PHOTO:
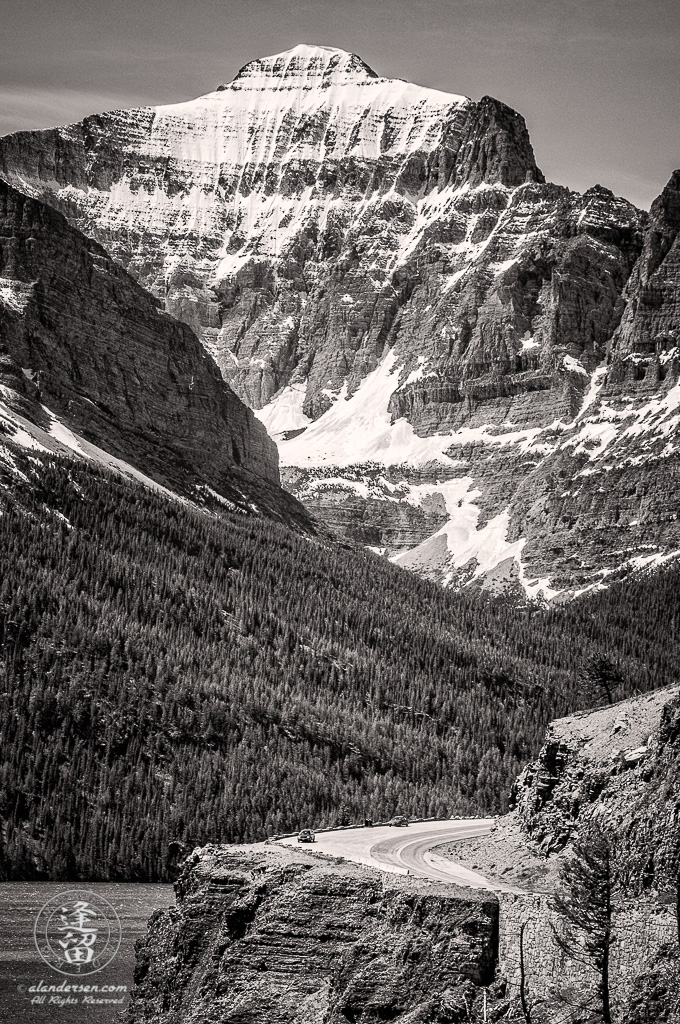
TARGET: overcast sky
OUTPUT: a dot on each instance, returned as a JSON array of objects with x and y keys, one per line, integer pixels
[{"x": 596, "y": 80}]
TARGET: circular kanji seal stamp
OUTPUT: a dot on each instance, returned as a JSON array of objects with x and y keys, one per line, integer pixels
[{"x": 77, "y": 932}]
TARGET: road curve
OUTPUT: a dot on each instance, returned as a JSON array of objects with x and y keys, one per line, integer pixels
[{"x": 409, "y": 850}]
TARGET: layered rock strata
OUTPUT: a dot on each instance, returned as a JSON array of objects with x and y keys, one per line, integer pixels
[
  {"x": 621, "y": 766},
  {"x": 264, "y": 934},
  {"x": 269, "y": 933},
  {"x": 617, "y": 766}
]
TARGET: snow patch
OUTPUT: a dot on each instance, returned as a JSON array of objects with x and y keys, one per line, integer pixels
[
  {"x": 574, "y": 365},
  {"x": 528, "y": 342},
  {"x": 359, "y": 430},
  {"x": 284, "y": 411},
  {"x": 596, "y": 382},
  {"x": 467, "y": 544},
  {"x": 61, "y": 440},
  {"x": 14, "y": 294},
  {"x": 205, "y": 489},
  {"x": 416, "y": 374}
]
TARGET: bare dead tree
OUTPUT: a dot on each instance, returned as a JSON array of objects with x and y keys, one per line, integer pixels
[
  {"x": 527, "y": 1007},
  {"x": 677, "y": 904},
  {"x": 523, "y": 977}
]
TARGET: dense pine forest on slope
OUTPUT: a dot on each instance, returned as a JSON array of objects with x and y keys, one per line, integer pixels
[{"x": 170, "y": 678}]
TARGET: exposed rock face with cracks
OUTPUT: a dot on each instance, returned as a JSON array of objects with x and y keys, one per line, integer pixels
[
  {"x": 621, "y": 766},
  {"x": 272, "y": 935},
  {"x": 618, "y": 767}
]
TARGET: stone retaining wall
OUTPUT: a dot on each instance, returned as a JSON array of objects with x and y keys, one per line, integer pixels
[{"x": 640, "y": 931}]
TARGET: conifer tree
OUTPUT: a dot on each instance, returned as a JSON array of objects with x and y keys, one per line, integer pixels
[
  {"x": 601, "y": 679},
  {"x": 170, "y": 678},
  {"x": 585, "y": 907}
]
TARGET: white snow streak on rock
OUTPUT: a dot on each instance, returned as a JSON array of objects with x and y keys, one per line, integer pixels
[
  {"x": 61, "y": 440},
  {"x": 14, "y": 294}
]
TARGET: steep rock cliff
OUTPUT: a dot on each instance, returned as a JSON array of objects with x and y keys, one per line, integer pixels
[
  {"x": 86, "y": 351},
  {"x": 264, "y": 934},
  {"x": 649, "y": 333},
  {"x": 620, "y": 765},
  {"x": 255, "y": 211}
]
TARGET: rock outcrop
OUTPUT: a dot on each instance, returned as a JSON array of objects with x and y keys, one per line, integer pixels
[
  {"x": 262, "y": 934},
  {"x": 262, "y": 212},
  {"x": 420, "y": 319},
  {"x": 619, "y": 765},
  {"x": 646, "y": 346},
  {"x": 85, "y": 351}
]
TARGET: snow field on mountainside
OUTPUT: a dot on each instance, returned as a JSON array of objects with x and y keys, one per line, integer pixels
[{"x": 357, "y": 430}]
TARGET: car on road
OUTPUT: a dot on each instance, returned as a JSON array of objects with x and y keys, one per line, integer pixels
[
  {"x": 398, "y": 819},
  {"x": 306, "y": 836}
]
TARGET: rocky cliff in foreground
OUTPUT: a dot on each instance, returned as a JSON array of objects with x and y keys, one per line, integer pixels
[
  {"x": 617, "y": 767},
  {"x": 621, "y": 765},
  {"x": 89, "y": 365},
  {"x": 267, "y": 935},
  {"x": 468, "y": 368}
]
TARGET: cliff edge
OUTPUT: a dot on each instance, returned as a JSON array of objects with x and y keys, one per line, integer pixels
[{"x": 265, "y": 934}]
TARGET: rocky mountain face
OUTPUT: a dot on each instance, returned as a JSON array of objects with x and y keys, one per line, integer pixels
[
  {"x": 467, "y": 368},
  {"x": 263, "y": 934},
  {"x": 618, "y": 766},
  {"x": 649, "y": 333},
  {"x": 621, "y": 766},
  {"x": 90, "y": 365}
]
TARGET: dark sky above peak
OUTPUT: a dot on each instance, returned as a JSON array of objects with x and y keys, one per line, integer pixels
[{"x": 597, "y": 80}]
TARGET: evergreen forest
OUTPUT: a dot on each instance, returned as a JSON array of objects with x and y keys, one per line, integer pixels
[{"x": 169, "y": 677}]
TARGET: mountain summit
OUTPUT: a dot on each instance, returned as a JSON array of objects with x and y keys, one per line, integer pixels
[
  {"x": 304, "y": 67},
  {"x": 431, "y": 332}
]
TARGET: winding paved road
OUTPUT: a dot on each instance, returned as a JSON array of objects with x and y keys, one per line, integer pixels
[{"x": 409, "y": 850}]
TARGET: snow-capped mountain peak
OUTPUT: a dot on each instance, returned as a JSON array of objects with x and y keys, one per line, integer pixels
[
  {"x": 303, "y": 66},
  {"x": 382, "y": 271}
]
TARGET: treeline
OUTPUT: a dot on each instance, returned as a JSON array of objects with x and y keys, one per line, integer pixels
[{"x": 168, "y": 678}]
